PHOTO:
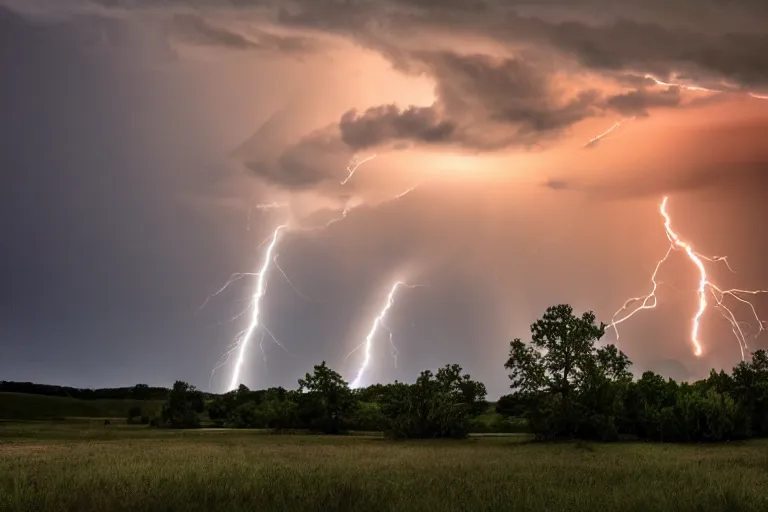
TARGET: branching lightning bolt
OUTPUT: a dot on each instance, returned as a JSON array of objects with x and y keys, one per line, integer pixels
[
  {"x": 287, "y": 279},
  {"x": 378, "y": 322},
  {"x": 705, "y": 288},
  {"x": 234, "y": 277},
  {"x": 348, "y": 209},
  {"x": 353, "y": 166},
  {"x": 698, "y": 88},
  {"x": 245, "y": 337}
]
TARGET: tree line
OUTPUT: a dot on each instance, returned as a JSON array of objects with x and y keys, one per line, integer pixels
[
  {"x": 137, "y": 392},
  {"x": 563, "y": 386},
  {"x": 438, "y": 404}
]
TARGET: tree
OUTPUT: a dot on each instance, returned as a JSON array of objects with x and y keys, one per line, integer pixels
[
  {"x": 183, "y": 405},
  {"x": 602, "y": 394},
  {"x": 562, "y": 381},
  {"x": 511, "y": 405},
  {"x": 326, "y": 400},
  {"x": 279, "y": 413},
  {"x": 140, "y": 392},
  {"x": 750, "y": 389},
  {"x": 647, "y": 402},
  {"x": 439, "y": 404},
  {"x": 470, "y": 393}
]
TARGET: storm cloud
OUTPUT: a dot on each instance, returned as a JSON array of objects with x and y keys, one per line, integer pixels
[{"x": 150, "y": 148}]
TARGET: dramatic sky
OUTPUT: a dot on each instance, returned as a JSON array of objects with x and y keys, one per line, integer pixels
[{"x": 140, "y": 141}]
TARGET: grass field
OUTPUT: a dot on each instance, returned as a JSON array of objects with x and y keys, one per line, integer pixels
[
  {"x": 24, "y": 406},
  {"x": 88, "y": 467}
]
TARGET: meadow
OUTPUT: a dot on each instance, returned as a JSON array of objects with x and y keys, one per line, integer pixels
[{"x": 86, "y": 466}]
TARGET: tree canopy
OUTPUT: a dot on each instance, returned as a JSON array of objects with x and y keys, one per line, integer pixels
[{"x": 565, "y": 384}]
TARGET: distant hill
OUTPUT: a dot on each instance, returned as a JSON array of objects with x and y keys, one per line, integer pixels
[
  {"x": 137, "y": 392},
  {"x": 24, "y": 406}
]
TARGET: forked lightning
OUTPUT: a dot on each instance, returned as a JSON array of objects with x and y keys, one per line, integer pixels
[
  {"x": 704, "y": 289},
  {"x": 245, "y": 337}
]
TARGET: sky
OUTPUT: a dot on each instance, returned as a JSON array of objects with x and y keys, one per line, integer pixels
[{"x": 150, "y": 148}]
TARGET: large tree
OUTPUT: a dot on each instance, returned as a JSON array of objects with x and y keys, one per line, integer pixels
[
  {"x": 561, "y": 369},
  {"x": 325, "y": 399}
]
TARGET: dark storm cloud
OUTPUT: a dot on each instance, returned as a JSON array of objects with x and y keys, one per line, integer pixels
[
  {"x": 388, "y": 122},
  {"x": 482, "y": 104},
  {"x": 637, "y": 102},
  {"x": 730, "y": 46},
  {"x": 317, "y": 158},
  {"x": 703, "y": 39},
  {"x": 629, "y": 45},
  {"x": 486, "y": 103},
  {"x": 196, "y": 29}
]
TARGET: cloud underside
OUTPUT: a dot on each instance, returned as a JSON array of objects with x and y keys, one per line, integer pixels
[{"x": 549, "y": 65}]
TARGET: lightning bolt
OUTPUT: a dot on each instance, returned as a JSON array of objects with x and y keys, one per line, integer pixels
[
  {"x": 597, "y": 138},
  {"x": 255, "y": 323},
  {"x": 378, "y": 322},
  {"x": 682, "y": 86},
  {"x": 406, "y": 191},
  {"x": 234, "y": 277},
  {"x": 705, "y": 288},
  {"x": 353, "y": 166},
  {"x": 287, "y": 279},
  {"x": 348, "y": 209},
  {"x": 244, "y": 338},
  {"x": 698, "y": 88}
]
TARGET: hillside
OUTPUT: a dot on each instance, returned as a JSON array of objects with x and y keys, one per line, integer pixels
[{"x": 22, "y": 406}]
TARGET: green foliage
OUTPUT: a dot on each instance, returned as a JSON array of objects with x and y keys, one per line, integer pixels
[
  {"x": 325, "y": 400},
  {"x": 368, "y": 416},
  {"x": 437, "y": 405},
  {"x": 493, "y": 422},
  {"x": 511, "y": 405},
  {"x": 183, "y": 406},
  {"x": 279, "y": 413},
  {"x": 565, "y": 386}
]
